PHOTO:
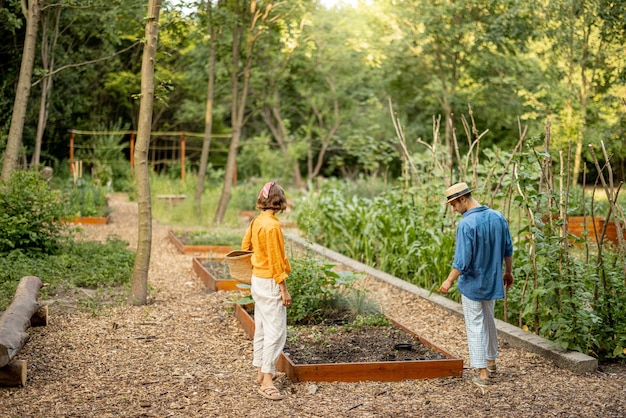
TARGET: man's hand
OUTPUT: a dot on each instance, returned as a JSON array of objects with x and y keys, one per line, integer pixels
[
  {"x": 445, "y": 286},
  {"x": 508, "y": 279}
]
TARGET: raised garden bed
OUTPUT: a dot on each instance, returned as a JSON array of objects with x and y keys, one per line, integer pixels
[
  {"x": 90, "y": 220},
  {"x": 214, "y": 273},
  {"x": 611, "y": 231},
  {"x": 594, "y": 225},
  {"x": 413, "y": 364},
  {"x": 217, "y": 250}
]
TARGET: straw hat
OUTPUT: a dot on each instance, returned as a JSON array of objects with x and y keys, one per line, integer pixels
[
  {"x": 457, "y": 190},
  {"x": 240, "y": 265}
]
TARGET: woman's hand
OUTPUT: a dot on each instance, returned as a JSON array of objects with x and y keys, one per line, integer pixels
[{"x": 286, "y": 297}]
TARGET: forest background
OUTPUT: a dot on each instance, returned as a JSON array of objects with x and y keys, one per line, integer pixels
[{"x": 390, "y": 92}]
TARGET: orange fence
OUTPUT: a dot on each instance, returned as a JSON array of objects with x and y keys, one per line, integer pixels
[{"x": 162, "y": 150}]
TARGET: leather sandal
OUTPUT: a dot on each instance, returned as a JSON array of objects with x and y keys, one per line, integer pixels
[
  {"x": 480, "y": 382},
  {"x": 270, "y": 392}
]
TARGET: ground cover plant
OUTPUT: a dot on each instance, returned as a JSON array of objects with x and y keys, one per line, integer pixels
[
  {"x": 212, "y": 237},
  {"x": 36, "y": 242},
  {"x": 567, "y": 289},
  {"x": 192, "y": 213}
]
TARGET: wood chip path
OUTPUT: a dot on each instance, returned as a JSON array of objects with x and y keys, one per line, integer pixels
[{"x": 184, "y": 355}]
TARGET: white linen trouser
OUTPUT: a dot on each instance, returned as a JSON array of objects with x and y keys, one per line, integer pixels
[
  {"x": 480, "y": 326},
  {"x": 270, "y": 319}
]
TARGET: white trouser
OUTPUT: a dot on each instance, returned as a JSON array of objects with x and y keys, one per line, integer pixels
[
  {"x": 270, "y": 319},
  {"x": 480, "y": 325}
]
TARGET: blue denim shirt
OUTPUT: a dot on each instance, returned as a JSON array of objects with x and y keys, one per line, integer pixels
[{"x": 483, "y": 241}]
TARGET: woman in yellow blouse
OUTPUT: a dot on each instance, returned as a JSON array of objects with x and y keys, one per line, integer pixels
[{"x": 270, "y": 268}]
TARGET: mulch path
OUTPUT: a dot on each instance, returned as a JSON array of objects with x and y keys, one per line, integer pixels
[{"x": 184, "y": 355}]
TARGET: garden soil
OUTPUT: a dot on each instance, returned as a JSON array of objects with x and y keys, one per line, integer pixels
[{"x": 185, "y": 355}]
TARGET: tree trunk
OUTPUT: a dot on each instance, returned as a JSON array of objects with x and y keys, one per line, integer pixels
[
  {"x": 14, "y": 140},
  {"x": 274, "y": 122},
  {"x": 585, "y": 86},
  {"x": 208, "y": 118},
  {"x": 139, "y": 285},
  {"x": 238, "y": 105},
  {"x": 47, "y": 60},
  {"x": 16, "y": 319},
  {"x": 330, "y": 133}
]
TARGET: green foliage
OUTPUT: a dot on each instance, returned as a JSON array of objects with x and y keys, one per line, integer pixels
[
  {"x": 312, "y": 288},
  {"x": 318, "y": 291},
  {"x": 566, "y": 289},
  {"x": 395, "y": 231},
  {"x": 258, "y": 158},
  {"x": 104, "y": 155},
  {"x": 31, "y": 214},
  {"x": 212, "y": 237},
  {"x": 85, "y": 198},
  {"x": 78, "y": 264},
  {"x": 373, "y": 320},
  {"x": 561, "y": 291},
  {"x": 187, "y": 212},
  {"x": 244, "y": 298}
]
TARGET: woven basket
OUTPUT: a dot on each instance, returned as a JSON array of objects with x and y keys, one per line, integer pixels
[{"x": 240, "y": 265}]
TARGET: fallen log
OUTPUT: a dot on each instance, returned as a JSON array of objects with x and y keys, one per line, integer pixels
[{"x": 16, "y": 319}]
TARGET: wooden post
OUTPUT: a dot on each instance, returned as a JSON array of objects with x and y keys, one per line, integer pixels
[
  {"x": 132, "y": 149},
  {"x": 71, "y": 151},
  {"x": 182, "y": 157}
]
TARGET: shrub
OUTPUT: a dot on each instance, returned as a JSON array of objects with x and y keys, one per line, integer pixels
[
  {"x": 320, "y": 293},
  {"x": 31, "y": 214}
]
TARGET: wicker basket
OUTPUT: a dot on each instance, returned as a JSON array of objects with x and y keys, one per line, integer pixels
[{"x": 240, "y": 265}]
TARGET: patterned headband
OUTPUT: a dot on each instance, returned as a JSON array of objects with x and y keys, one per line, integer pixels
[{"x": 265, "y": 191}]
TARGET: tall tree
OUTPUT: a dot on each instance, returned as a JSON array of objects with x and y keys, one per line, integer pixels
[
  {"x": 139, "y": 285},
  {"x": 49, "y": 37},
  {"x": 246, "y": 30},
  {"x": 587, "y": 39},
  {"x": 275, "y": 82},
  {"x": 208, "y": 116},
  {"x": 32, "y": 12},
  {"x": 451, "y": 54}
]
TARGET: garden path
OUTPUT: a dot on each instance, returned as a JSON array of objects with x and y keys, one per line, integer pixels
[{"x": 184, "y": 355}]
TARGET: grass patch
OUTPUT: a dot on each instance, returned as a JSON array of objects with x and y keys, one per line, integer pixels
[
  {"x": 213, "y": 237},
  {"x": 90, "y": 265}
]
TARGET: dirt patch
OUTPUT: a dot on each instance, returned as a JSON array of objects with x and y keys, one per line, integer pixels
[{"x": 321, "y": 344}]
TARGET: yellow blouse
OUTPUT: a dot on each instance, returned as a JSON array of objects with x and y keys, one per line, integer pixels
[{"x": 264, "y": 236}]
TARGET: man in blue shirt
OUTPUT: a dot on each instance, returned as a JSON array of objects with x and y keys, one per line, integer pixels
[{"x": 483, "y": 245}]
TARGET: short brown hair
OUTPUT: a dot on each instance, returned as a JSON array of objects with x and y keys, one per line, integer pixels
[{"x": 275, "y": 199}]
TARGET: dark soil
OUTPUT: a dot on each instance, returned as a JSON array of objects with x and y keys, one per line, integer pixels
[{"x": 320, "y": 344}]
